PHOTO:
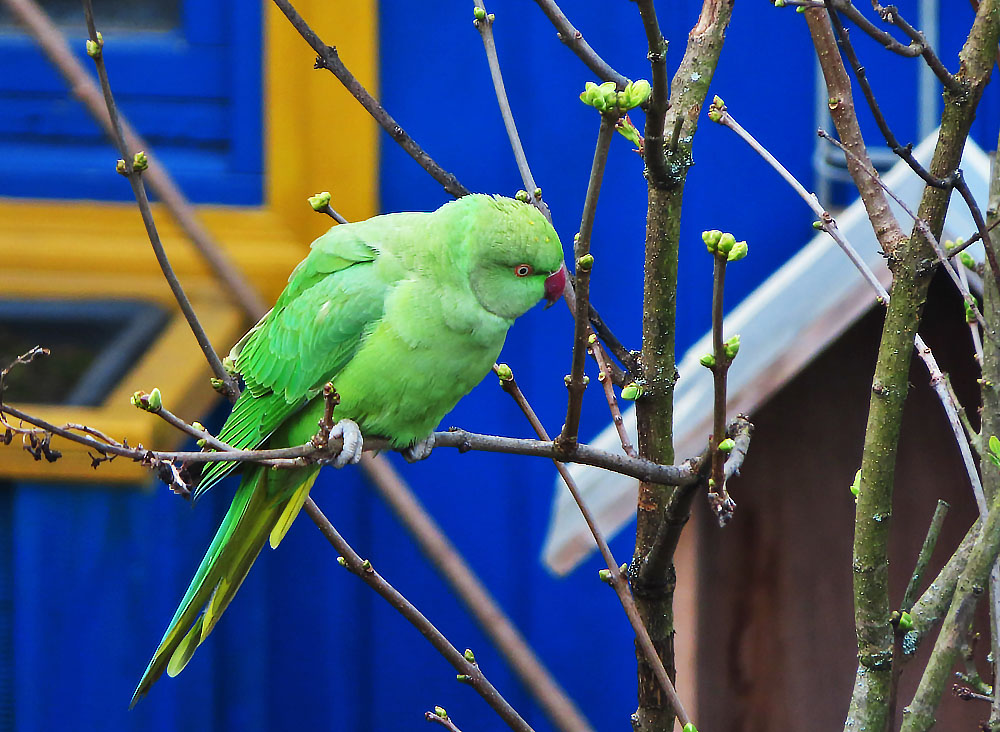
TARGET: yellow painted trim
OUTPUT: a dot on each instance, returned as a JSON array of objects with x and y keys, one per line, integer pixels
[
  {"x": 317, "y": 137},
  {"x": 173, "y": 363}
]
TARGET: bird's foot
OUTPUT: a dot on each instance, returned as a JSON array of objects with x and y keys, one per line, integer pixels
[
  {"x": 348, "y": 431},
  {"x": 419, "y": 450}
]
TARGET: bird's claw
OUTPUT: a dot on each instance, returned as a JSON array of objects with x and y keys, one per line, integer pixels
[
  {"x": 348, "y": 431},
  {"x": 419, "y": 450}
]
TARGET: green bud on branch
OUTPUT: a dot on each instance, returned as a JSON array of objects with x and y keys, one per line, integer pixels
[
  {"x": 320, "y": 201},
  {"x": 732, "y": 347},
  {"x": 463, "y": 678},
  {"x": 967, "y": 261},
  {"x": 469, "y": 655},
  {"x": 738, "y": 251},
  {"x": 342, "y": 561},
  {"x": 479, "y": 13},
  {"x": 905, "y": 623},
  {"x": 605, "y": 576},
  {"x": 856, "y": 485},
  {"x": 504, "y": 372},
  {"x": 727, "y": 445},
  {"x": 522, "y": 196},
  {"x": 154, "y": 400},
  {"x": 632, "y": 391},
  {"x": 140, "y": 162},
  {"x": 440, "y": 712},
  {"x": 689, "y": 727},
  {"x": 708, "y": 360},
  {"x": 585, "y": 263},
  {"x": 120, "y": 167}
]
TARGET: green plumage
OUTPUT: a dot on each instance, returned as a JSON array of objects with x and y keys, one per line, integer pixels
[{"x": 404, "y": 313}]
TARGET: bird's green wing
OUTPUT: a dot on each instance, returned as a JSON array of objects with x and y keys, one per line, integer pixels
[{"x": 333, "y": 298}]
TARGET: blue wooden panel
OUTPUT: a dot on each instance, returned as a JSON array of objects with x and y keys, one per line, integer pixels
[{"x": 204, "y": 100}]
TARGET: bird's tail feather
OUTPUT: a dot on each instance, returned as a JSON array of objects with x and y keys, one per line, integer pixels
[{"x": 265, "y": 505}]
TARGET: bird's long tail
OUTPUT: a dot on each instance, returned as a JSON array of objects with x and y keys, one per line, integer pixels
[{"x": 265, "y": 505}]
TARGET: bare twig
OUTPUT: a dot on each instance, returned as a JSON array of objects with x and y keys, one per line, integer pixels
[
  {"x": 439, "y": 550},
  {"x": 575, "y": 41},
  {"x": 841, "y": 105},
  {"x": 615, "y": 577},
  {"x": 139, "y": 189},
  {"x": 718, "y": 497},
  {"x": 330, "y": 60},
  {"x": 468, "y": 670},
  {"x": 604, "y": 375},
  {"x": 959, "y": 281},
  {"x": 924, "y": 558},
  {"x": 653, "y": 149},
  {"x": 655, "y": 564},
  {"x": 485, "y": 26},
  {"x": 440, "y": 716},
  {"x": 829, "y": 225},
  {"x": 584, "y": 261}
]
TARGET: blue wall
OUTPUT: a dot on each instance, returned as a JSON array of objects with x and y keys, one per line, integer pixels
[{"x": 94, "y": 574}]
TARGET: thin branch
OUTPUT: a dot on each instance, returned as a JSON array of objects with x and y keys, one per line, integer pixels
[
  {"x": 604, "y": 375},
  {"x": 139, "y": 189},
  {"x": 656, "y": 563},
  {"x": 485, "y": 26},
  {"x": 463, "y": 441},
  {"x": 959, "y": 281},
  {"x": 829, "y": 225},
  {"x": 439, "y": 550},
  {"x": 718, "y": 497},
  {"x": 924, "y": 558},
  {"x": 656, "y": 113},
  {"x": 575, "y": 41},
  {"x": 468, "y": 670},
  {"x": 441, "y": 718},
  {"x": 53, "y": 44},
  {"x": 918, "y": 45},
  {"x": 615, "y": 577},
  {"x": 841, "y": 105},
  {"x": 330, "y": 60},
  {"x": 584, "y": 261}
]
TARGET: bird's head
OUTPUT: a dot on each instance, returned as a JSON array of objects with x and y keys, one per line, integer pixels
[{"x": 515, "y": 256}]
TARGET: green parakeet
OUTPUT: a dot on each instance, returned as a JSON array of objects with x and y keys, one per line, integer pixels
[{"x": 404, "y": 313}]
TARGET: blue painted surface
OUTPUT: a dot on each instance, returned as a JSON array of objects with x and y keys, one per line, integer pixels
[
  {"x": 95, "y": 573},
  {"x": 194, "y": 93}
]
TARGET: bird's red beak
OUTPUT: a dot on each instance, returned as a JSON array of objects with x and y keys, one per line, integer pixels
[{"x": 554, "y": 285}]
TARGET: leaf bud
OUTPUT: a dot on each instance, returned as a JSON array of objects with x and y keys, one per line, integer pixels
[
  {"x": 738, "y": 251},
  {"x": 155, "y": 400},
  {"x": 522, "y": 196},
  {"x": 727, "y": 445},
  {"x": 504, "y": 372},
  {"x": 638, "y": 93},
  {"x": 626, "y": 129},
  {"x": 538, "y": 194},
  {"x": 463, "y": 678},
  {"x": 711, "y": 239},
  {"x": 605, "y": 576},
  {"x": 689, "y": 727},
  {"x": 632, "y": 391},
  {"x": 320, "y": 201},
  {"x": 198, "y": 426},
  {"x": 440, "y": 712},
  {"x": 585, "y": 263},
  {"x": 856, "y": 485},
  {"x": 967, "y": 261},
  {"x": 139, "y": 161},
  {"x": 93, "y": 49},
  {"x": 479, "y": 12},
  {"x": 366, "y": 565},
  {"x": 726, "y": 243},
  {"x": 708, "y": 360},
  {"x": 136, "y": 399},
  {"x": 342, "y": 561},
  {"x": 817, "y": 224},
  {"x": 469, "y": 655},
  {"x": 732, "y": 346},
  {"x": 970, "y": 313},
  {"x": 905, "y": 623},
  {"x": 120, "y": 167}
]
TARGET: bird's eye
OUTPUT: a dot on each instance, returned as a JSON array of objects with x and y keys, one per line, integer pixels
[{"x": 523, "y": 270}]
